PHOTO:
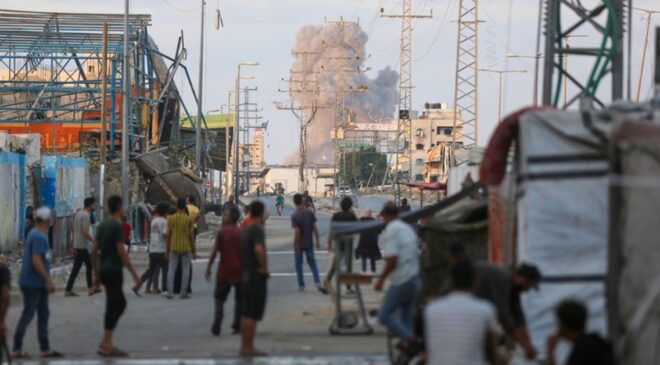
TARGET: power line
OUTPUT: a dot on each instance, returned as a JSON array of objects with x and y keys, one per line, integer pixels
[
  {"x": 443, "y": 22},
  {"x": 179, "y": 9}
]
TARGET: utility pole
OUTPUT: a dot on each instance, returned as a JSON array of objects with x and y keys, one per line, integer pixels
[
  {"x": 227, "y": 149},
  {"x": 405, "y": 86},
  {"x": 342, "y": 90},
  {"x": 465, "y": 128},
  {"x": 124, "y": 113},
  {"x": 237, "y": 113},
  {"x": 304, "y": 113},
  {"x": 500, "y": 74},
  {"x": 648, "y": 13},
  {"x": 104, "y": 95},
  {"x": 198, "y": 125}
]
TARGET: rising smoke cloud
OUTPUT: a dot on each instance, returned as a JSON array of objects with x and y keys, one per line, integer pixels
[{"x": 324, "y": 42}]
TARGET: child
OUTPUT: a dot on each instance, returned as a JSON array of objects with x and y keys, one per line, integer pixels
[{"x": 157, "y": 245}]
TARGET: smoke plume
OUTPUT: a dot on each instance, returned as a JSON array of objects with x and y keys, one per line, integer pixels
[{"x": 320, "y": 70}]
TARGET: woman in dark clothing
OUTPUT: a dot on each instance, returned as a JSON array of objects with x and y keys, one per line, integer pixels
[{"x": 368, "y": 245}]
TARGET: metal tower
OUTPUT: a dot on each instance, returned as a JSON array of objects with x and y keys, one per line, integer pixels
[
  {"x": 607, "y": 51},
  {"x": 467, "y": 75},
  {"x": 405, "y": 83}
]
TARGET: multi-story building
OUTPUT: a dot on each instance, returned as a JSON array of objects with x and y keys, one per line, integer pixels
[
  {"x": 255, "y": 149},
  {"x": 432, "y": 130}
]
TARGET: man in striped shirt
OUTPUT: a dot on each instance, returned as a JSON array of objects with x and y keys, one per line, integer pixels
[
  {"x": 180, "y": 247},
  {"x": 459, "y": 327}
]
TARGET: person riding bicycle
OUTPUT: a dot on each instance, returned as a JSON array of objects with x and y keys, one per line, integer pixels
[{"x": 279, "y": 202}]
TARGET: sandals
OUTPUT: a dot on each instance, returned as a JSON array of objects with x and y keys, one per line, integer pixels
[
  {"x": 114, "y": 353},
  {"x": 20, "y": 355},
  {"x": 52, "y": 355}
]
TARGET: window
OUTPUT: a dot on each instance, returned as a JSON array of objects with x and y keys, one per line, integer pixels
[
  {"x": 419, "y": 177},
  {"x": 447, "y": 131},
  {"x": 419, "y": 162},
  {"x": 419, "y": 132},
  {"x": 438, "y": 130},
  {"x": 90, "y": 69},
  {"x": 434, "y": 178},
  {"x": 419, "y": 147}
]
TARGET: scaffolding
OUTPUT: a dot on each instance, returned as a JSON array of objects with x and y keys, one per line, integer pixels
[{"x": 50, "y": 81}]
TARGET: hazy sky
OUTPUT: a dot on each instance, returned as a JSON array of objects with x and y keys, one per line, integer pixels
[{"x": 264, "y": 31}]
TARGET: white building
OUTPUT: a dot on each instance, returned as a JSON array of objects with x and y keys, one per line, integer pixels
[{"x": 286, "y": 177}]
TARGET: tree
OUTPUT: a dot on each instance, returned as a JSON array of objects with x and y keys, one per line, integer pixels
[{"x": 360, "y": 165}]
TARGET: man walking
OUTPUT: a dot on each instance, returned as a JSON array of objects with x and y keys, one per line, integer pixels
[
  {"x": 306, "y": 237},
  {"x": 36, "y": 285},
  {"x": 230, "y": 270},
  {"x": 343, "y": 244},
  {"x": 109, "y": 269},
  {"x": 81, "y": 239},
  {"x": 255, "y": 275},
  {"x": 157, "y": 246},
  {"x": 459, "y": 327},
  {"x": 402, "y": 268},
  {"x": 180, "y": 248}
]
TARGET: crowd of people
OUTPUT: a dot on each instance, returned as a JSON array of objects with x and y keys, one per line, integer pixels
[{"x": 479, "y": 305}]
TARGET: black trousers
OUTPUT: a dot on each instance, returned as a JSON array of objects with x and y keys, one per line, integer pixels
[
  {"x": 177, "y": 280},
  {"x": 221, "y": 293},
  {"x": 115, "y": 301},
  {"x": 81, "y": 257},
  {"x": 157, "y": 263}
]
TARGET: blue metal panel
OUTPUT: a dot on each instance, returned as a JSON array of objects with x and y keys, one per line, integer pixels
[
  {"x": 17, "y": 160},
  {"x": 49, "y": 181}
]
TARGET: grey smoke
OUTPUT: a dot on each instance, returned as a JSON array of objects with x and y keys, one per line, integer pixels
[{"x": 378, "y": 102}]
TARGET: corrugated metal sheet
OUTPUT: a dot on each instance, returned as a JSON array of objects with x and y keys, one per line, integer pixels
[{"x": 12, "y": 199}]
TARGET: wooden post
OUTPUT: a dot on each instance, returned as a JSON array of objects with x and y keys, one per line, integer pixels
[{"x": 104, "y": 91}]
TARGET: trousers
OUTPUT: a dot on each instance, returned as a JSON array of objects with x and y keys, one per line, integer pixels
[
  {"x": 185, "y": 258},
  {"x": 81, "y": 257},
  {"x": 308, "y": 254},
  {"x": 34, "y": 300},
  {"x": 115, "y": 301}
]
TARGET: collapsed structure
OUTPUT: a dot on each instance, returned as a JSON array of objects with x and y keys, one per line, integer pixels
[{"x": 51, "y": 84}]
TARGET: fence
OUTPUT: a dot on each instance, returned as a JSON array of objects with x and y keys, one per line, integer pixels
[{"x": 12, "y": 200}]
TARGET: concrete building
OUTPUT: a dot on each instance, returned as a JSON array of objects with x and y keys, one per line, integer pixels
[
  {"x": 433, "y": 127},
  {"x": 255, "y": 149},
  {"x": 285, "y": 177}
]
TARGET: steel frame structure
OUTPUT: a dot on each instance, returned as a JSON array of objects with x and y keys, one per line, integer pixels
[
  {"x": 466, "y": 84},
  {"x": 556, "y": 35},
  {"x": 50, "y": 74}
]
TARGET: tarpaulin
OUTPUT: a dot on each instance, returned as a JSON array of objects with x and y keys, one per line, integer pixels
[{"x": 12, "y": 199}]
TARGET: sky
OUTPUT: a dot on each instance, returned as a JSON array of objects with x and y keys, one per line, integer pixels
[{"x": 264, "y": 31}]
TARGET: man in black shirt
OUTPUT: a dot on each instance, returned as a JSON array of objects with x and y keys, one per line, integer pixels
[
  {"x": 588, "y": 349},
  {"x": 344, "y": 247},
  {"x": 255, "y": 275}
]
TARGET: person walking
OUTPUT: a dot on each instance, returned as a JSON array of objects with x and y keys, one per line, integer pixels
[
  {"x": 36, "y": 285},
  {"x": 367, "y": 249},
  {"x": 180, "y": 248},
  {"x": 255, "y": 276},
  {"x": 405, "y": 207},
  {"x": 157, "y": 247},
  {"x": 230, "y": 270},
  {"x": 109, "y": 270},
  {"x": 402, "y": 269},
  {"x": 81, "y": 239},
  {"x": 344, "y": 244},
  {"x": 308, "y": 201},
  {"x": 5, "y": 293},
  {"x": 460, "y": 328},
  {"x": 306, "y": 237},
  {"x": 126, "y": 229},
  {"x": 279, "y": 202}
]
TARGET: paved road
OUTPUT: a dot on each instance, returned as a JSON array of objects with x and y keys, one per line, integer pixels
[{"x": 296, "y": 323}]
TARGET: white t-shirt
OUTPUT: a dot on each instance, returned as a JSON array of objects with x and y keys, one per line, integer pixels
[
  {"x": 455, "y": 329},
  {"x": 400, "y": 241},
  {"x": 158, "y": 228}
]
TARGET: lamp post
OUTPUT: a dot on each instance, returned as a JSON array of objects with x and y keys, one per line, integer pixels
[
  {"x": 125, "y": 196},
  {"x": 237, "y": 124},
  {"x": 500, "y": 74},
  {"x": 536, "y": 72}
]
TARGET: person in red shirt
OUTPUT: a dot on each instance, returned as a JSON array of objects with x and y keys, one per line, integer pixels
[
  {"x": 126, "y": 229},
  {"x": 230, "y": 269},
  {"x": 247, "y": 218}
]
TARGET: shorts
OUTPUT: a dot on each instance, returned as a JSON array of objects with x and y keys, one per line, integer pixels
[{"x": 254, "y": 299}]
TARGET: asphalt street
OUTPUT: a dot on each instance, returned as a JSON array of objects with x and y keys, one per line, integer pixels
[{"x": 295, "y": 328}]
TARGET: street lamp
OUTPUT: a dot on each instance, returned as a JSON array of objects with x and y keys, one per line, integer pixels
[
  {"x": 236, "y": 122},
  {"x": 500, "y": 73},
  {"x": 536, "y": 72}
]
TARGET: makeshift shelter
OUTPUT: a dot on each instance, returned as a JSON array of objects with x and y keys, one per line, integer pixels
[{"x": 578, "y": 221}]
